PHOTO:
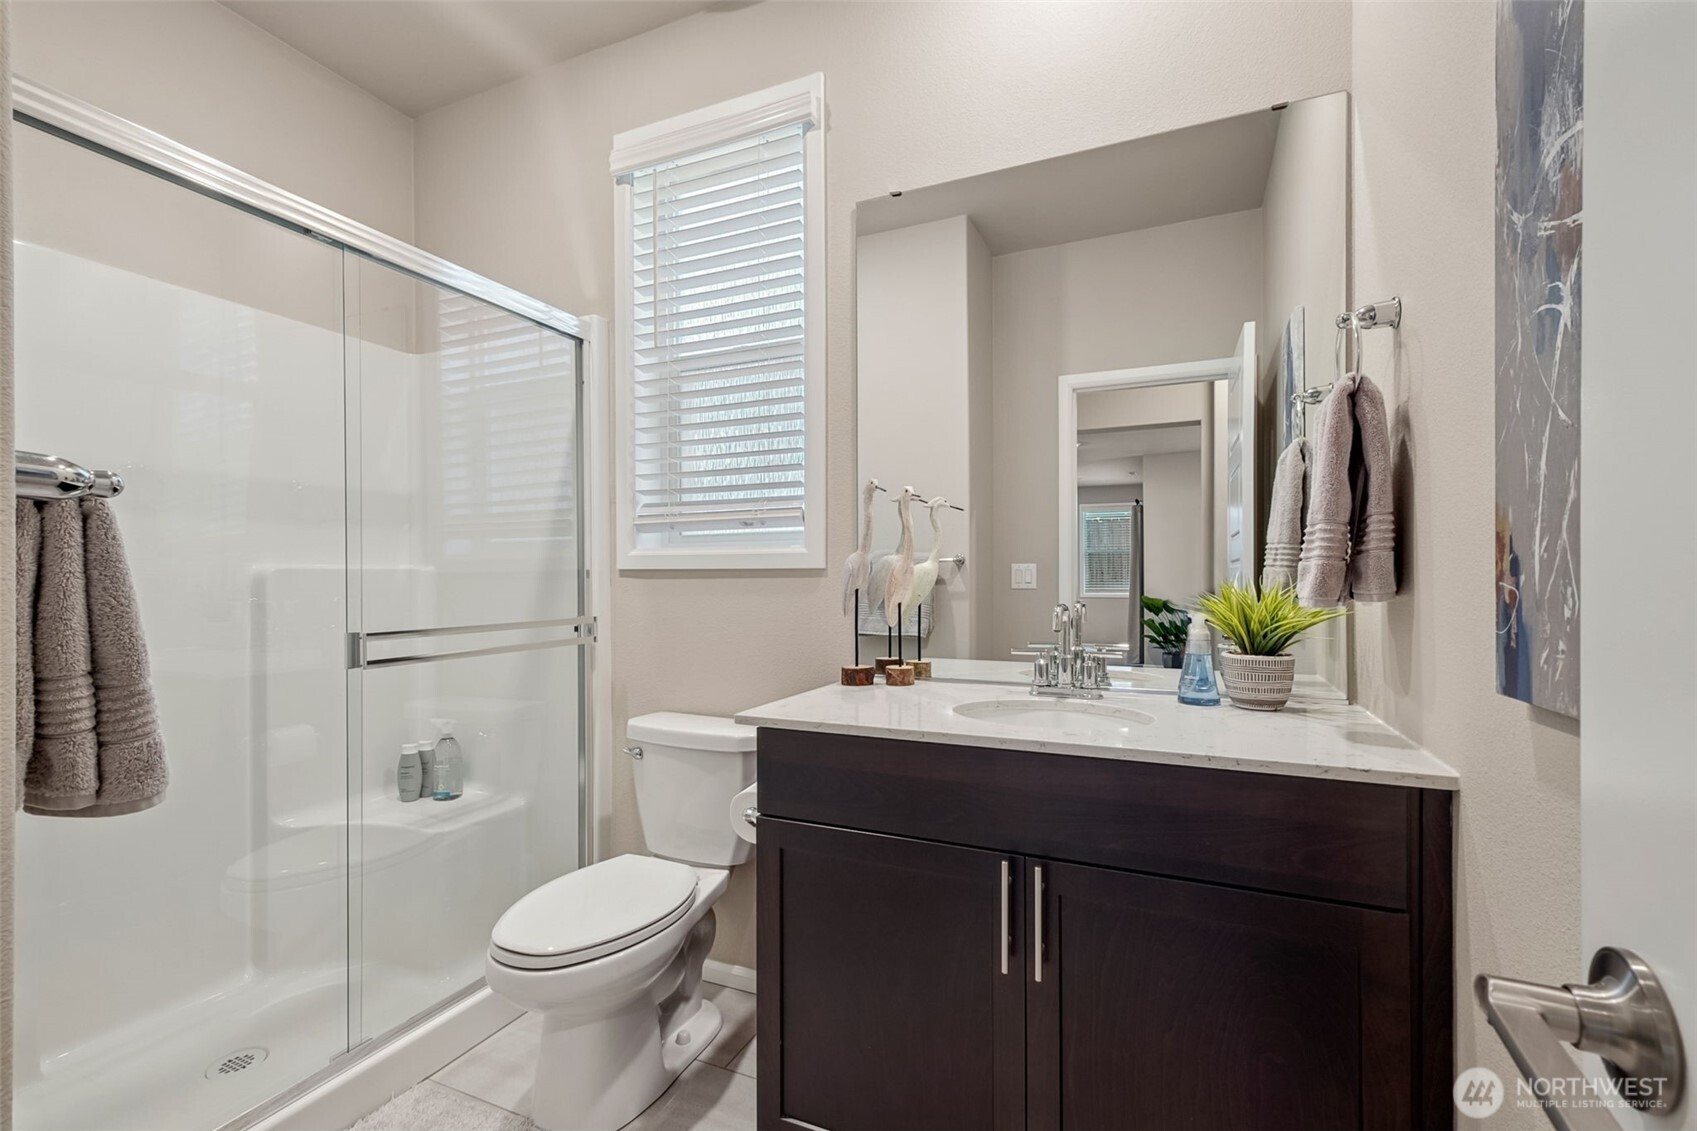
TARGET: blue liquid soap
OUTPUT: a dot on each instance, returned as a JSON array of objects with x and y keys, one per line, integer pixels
[{"x": 1197, "y": 686}]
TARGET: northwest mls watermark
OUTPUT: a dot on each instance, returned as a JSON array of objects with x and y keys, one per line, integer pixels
[{"x": 1479, "y": 1093}]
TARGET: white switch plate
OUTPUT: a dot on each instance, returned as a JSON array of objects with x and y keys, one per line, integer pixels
[{"x": 1025, "y": 575}]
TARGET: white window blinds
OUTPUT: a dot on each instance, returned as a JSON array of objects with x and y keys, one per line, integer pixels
[
  {"x": 508, "y": 409},
  {"x": 719, "y": 336},
  {"x": 1105, "y": 545}
]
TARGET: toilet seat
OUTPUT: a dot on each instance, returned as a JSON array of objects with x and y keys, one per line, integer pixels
[{"x": 593, "y": 912}]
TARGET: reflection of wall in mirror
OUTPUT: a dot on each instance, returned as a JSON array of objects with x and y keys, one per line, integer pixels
[
  {"x": 924, "y": 384},
  {"x": 1303, "y": 266},
  {"x": 1179, "y": 292}
]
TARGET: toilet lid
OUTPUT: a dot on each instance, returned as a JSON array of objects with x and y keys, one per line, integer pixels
[{"x": 594, "y": 911}]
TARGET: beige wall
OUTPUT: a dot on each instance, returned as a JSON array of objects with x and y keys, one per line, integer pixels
[
  {"x": 1180, "y": 292},
  {"x": 1424, "y": 151},
  {"x": 199, "y": 74},
  {"x": 514, "y": 183}
]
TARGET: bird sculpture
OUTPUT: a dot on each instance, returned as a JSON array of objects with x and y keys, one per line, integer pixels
[
  {"x": 925, "y": 572},
  {"x": 900, "y": 581},
  {"x": 857, "y": 570}
]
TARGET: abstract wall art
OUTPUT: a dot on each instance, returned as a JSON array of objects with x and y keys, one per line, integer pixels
[{"x": 1540, "y": 119}]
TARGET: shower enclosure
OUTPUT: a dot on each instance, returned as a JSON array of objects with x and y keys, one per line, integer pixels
[{"x": 353, "y": 508}]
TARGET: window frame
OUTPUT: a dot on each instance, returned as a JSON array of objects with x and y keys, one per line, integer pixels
[
  {"x": 1084, "y": 592},
  {"x": 799, "y": 101}
]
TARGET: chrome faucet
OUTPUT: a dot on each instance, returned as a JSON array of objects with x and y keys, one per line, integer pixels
[{"x": 1070, "y": 667}]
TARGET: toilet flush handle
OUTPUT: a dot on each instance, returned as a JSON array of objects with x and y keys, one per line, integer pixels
[{"x": 634, "y": 751}]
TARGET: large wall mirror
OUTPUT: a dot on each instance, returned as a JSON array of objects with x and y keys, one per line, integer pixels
[{"x": 1094, "y": 356}]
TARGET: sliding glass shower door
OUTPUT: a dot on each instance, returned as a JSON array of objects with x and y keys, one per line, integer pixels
[
  {"x": 465, "y": 592},
  {"x": 353, "y": 522}
]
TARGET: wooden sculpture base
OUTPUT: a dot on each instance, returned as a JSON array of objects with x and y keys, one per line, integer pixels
[
  {"x": 899, "y": 675},
  {"x": 883, "y": 662},
  {"x": 857, "y": 675},
  {"x": 921, "y": 668}
]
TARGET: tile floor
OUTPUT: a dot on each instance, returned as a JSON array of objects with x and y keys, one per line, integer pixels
[{"x": 488, "y": 1089}]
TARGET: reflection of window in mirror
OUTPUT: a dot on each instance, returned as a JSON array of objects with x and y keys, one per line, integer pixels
[{"x": 1104, "y": 550}]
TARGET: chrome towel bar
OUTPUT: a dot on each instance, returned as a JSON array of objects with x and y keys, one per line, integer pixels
[{"x": 41, "y": 476}]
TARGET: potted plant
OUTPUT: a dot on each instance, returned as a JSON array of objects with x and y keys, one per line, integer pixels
[
  {"x": 1167, "y": 627},
  {"x": 1257, "y": 669}
]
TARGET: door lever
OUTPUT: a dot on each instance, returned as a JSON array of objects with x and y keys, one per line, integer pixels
[{"x": 1623, "y": 1016}]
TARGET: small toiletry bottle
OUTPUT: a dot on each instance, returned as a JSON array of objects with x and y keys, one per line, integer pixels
[
  {"x": 450, "y": 769},
  {"x": 1196, "y": 684},
  {"x": 427, "y": 769},
  {"x": 407, "y": 772}
]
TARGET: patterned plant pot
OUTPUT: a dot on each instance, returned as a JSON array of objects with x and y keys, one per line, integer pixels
[{"x": 1258, "y": 683}]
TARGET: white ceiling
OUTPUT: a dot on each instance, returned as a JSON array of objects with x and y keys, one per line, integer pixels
[
  {"x": 419, "y": 55},
  {"x": 1205, "y": 170},
  {"x": 1114, "y": 457}
]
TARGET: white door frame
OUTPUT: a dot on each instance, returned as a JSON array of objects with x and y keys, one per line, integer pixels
[{"x": 1071, "y": 385}]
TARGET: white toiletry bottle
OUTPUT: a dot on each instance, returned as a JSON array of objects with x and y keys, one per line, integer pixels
[
  {"x": 407, "y": 772},
  {"x": 427, "y": 769},
  {"x": 450, "y": 768}
]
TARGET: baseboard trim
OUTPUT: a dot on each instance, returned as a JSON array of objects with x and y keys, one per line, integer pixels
[
  {"x": 728, "y": 974},
  {"x": 410, "y": 1058}
]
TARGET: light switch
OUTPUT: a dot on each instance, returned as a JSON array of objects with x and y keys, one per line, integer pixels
[{"x": 1025, "y": 575}]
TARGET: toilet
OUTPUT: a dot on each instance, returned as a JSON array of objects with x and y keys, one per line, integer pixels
[{"x": 611, "y": 955}]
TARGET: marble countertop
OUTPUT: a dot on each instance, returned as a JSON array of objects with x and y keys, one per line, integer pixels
[{"x": 1309, "y": 738}]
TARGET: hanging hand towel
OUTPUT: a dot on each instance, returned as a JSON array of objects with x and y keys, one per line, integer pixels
[
  {"x": 1322, "y": 573},
  {"x": 133, "y": 774},
  {"x": 1284, "y": 519},
  {"x": 63, "y": 773},
  {"x": 1372, "y": 562},
  {"x": 29, "y": 561}
]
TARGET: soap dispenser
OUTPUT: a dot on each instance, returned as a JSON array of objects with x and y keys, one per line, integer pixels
[
  {"x": 448, "y": 766},
  {"x": 1197, "y": 686}
]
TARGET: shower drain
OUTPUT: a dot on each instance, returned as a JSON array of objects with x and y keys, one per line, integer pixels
[{"x": 231, "y": 1063}]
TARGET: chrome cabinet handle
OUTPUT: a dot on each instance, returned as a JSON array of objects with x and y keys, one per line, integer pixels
[
  {"x": 1037, "y": 922},
  {"x": 1623, "y": 1016},
  {"x": 1002, "y": 932}
]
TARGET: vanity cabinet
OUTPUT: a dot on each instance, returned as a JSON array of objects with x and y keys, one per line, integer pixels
[{"x": 954, "y": 937}]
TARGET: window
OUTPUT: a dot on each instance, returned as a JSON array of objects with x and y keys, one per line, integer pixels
[
  {"x": 1104, "y": 550},
  {"x": 721, "y": 342}
]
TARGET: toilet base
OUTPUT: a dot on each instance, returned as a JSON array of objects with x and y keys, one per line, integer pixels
[{"x": 601, "y": 1075}]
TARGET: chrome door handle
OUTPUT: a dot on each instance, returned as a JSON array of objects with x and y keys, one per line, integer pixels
[
  {"x": 1037, "y": 922},
  {"x": 1002, "y": 931},
  {"x": 1622, "y": 1015}
]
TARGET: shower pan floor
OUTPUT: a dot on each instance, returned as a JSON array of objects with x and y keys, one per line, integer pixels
[{"x": 208, "y": 1062}]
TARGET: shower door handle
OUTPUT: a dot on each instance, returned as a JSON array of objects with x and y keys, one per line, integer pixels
[{"x": 360, "y": 643}]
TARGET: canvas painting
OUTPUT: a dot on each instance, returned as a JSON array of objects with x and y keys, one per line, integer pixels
[{"x": 1540, "y": 120}]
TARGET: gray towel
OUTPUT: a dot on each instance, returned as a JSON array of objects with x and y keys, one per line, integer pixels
[
  {"x": 1372, "y": 563},
  {"x": 1284, "y": 517},
  {"x": 1322, "y": 573},
  {"x": 98, "y": 751},
  {"x": 29, "y": 561},
  {"x": 133, "y": 774},
  {"x": 64, "y": 767}
]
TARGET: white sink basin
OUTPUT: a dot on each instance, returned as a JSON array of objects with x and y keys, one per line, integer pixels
[{"x": 1074, "y": 717}]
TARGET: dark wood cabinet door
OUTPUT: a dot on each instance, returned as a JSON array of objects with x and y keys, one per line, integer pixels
[
  {"x": 1167, "y": 1004},
  {"x": 883, "y": 1001}
]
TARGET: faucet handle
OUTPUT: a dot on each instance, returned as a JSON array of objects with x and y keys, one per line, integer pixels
[{"x": 1062, "y": 617}]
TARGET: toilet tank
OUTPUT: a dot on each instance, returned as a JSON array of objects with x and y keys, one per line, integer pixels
[{"x": 691, "y": 767}]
